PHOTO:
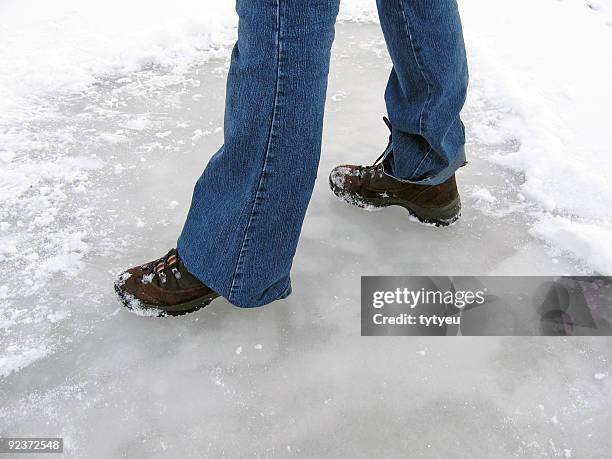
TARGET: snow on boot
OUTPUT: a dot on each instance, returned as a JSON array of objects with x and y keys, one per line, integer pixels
[
  {"x": 371, "y": 188},
  {"x": 162, "y": 288}
]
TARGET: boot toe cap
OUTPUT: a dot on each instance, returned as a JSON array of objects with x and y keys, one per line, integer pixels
[
  {"x": 346, "y": 177},
  {"x": 131, "y": 286}
]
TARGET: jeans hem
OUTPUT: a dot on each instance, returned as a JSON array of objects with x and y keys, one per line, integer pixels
[
  {"x": 202, "y": 277},
  {"x": 286, "y": 293},
  {"x": 437, "y": 179}
]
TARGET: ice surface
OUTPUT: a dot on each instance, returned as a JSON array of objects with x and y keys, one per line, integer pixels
[{"x": 100, "y": 179}]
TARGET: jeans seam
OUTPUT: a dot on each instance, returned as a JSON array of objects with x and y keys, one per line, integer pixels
[
  {"x": 408, "y": 30},
  {"x": 243, "y": 247}
]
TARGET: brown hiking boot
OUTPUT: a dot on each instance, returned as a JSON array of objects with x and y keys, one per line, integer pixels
[
  {"x": 162, "y": 288},
  {"x": 371, "y": 188}
]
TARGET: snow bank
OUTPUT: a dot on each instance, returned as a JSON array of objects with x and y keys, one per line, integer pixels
[
  {"x": 585, "y": 241},
  {"x": 64, "y": 45},
  {"x": 550, "y": 63}
]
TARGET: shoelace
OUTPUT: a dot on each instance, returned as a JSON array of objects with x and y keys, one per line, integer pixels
[
  {"x": 169, "y": 261},
  {"x": 378, "y": 163}
]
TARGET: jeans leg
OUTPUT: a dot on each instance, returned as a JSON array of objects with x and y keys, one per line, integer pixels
[
  {"x": 249, "y": 204},
  {"x": 427, "y": 88}
]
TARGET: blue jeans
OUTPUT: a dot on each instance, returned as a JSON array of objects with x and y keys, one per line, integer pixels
[{"x": 249, "y": 204}]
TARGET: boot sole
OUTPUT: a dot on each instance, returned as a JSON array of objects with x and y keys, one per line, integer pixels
[
  {"x": 439, "y": 216},
  {"x": 143, "y": 309}
]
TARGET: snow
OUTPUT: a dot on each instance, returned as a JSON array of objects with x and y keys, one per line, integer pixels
[
  {"x": 14, "y": 359},
  {"x": 100, "y": 102},
  {"x": 583, "y": 239},
  {"x": 65, "y": 45},
  {"x": 482, "y": 194},
  {"x": 552, "y": 77}
]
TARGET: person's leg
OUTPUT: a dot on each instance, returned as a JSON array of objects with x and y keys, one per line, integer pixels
[
  {"x": 425, "y": 94},
  {"x": 249, "y": 204},
  {"x": 426, "y": 90}
]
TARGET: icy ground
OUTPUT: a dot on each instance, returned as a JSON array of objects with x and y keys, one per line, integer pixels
[
  {"x": 100, "y": 177},
  {"x": 108, "y": 182}
]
